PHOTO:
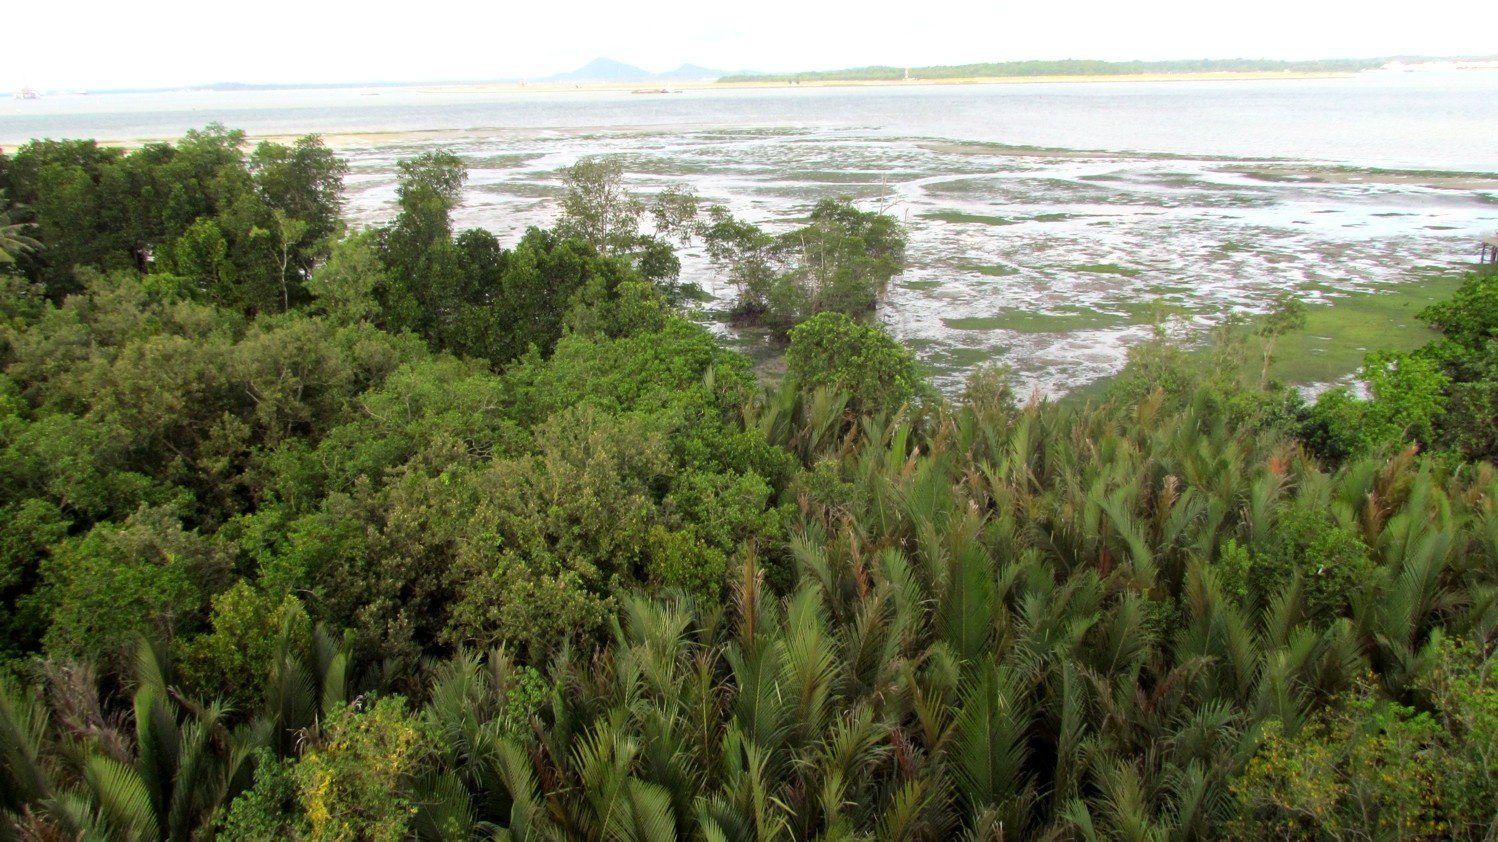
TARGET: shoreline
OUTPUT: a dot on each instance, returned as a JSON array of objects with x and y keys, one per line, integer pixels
[
  {"x": 1269, "y": 170},
  {"x": 654, "y": 88}
]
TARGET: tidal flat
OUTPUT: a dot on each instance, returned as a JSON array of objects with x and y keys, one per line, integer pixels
[
  {"x": 1045, "y": 220},
  {"x": 1048, "y": 261}
]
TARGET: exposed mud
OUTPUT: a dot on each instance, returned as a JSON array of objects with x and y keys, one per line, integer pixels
[{"x": 1044, "y": 259}]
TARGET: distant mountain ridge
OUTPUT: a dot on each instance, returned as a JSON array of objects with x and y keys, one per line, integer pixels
[{"x": 609, "y": 70}]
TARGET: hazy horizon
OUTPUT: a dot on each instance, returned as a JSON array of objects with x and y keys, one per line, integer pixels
[
  {"x": 651, "y": 71},
  {"x": 175, "y": 43}
]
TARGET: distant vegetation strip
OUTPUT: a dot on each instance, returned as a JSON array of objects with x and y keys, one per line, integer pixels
[{"x": 1073, "y": 67}]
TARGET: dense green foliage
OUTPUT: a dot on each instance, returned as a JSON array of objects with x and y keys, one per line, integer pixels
[
  {"x": 1443, "y": 396},
  {"x": 832, "y": 351},
  {"x": 14, "y": 241},
  {"x": 235, "y": 229},
  {"x": 475, "y": 542}
]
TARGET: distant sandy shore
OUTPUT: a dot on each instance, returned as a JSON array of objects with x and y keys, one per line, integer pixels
[{"x": 553, "y": 87}]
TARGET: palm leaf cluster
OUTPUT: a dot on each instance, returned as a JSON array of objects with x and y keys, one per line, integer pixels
[
  {"x": 1011, "y": 626},
  {"x": 166, "y": 767},
  {"x": 1000, "y": 624},
  {"x": 14, "y": 241}
]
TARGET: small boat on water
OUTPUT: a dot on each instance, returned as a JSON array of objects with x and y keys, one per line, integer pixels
[
  {"x": 27, "y": 93},
  {"x": 658, "y": 91}
]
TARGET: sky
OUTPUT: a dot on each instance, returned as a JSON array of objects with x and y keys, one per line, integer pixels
[{"x": 87, "y": 44}]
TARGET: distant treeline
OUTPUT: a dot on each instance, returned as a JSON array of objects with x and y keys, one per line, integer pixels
[{"x": 1075, "y": 67}]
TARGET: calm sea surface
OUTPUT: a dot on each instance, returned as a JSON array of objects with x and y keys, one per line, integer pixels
[{"x": 1039, "y": 256}]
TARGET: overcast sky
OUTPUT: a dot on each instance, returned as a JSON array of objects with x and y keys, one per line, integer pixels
[{"x": 89, "y": 44}]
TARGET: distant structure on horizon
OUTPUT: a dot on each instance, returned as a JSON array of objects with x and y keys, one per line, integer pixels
[{"x": 27, "y": 93}]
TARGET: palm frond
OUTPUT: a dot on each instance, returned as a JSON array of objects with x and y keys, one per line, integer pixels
[
  {"x": 123, "y": 799},
  {"x": 23, "y": 729},
  {"x": 988, "y": 750}
]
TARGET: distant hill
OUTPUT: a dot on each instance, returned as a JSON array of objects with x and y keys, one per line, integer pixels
[
  {"x": 602, "y": 70},
  {"x": 608, "y": 70}
]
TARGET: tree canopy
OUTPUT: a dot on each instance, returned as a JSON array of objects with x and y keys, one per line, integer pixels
[{"x": 840, "y": 262}]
